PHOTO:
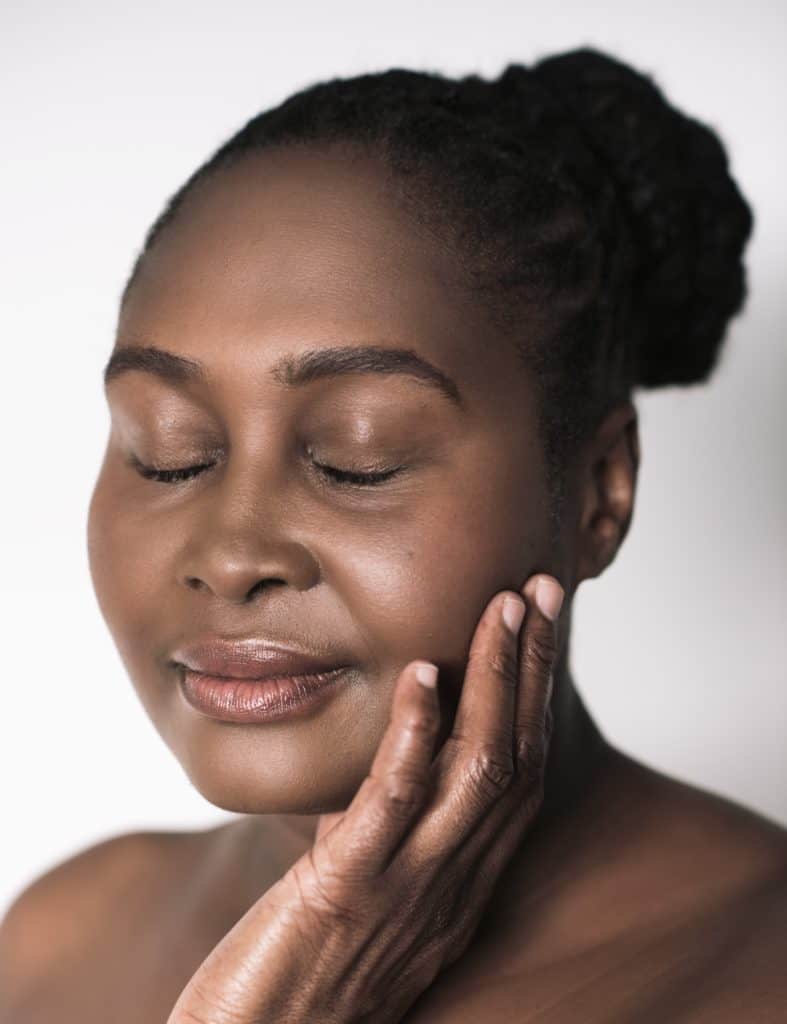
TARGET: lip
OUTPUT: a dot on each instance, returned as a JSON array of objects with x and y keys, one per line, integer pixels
[
  {"x": 252, "y": 658},
  {"x": 254, "y": 680}
]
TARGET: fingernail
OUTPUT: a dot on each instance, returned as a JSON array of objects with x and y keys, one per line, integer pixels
[
  {"x": 513, "y": 613},
  {"x": 426, "y": 674},
  {"x": 549, "y": 598}
]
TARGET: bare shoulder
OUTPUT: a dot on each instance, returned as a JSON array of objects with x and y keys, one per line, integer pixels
[
  {"x": 710, "y": 840},
  {"x": 724, "y": 867},
  {"x": 743, "y": 938},
  {"x": 726, "y": 963},
  {"x": 95, "y": 892}
]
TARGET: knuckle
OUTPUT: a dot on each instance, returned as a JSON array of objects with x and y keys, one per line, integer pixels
[
  {"x": 529, "y": 724},
  {"x": 402, "y": 793},
  {"x": 420, "y": 726},
  {"x": 489, "y": 774},
  {"x": 323, "y": 903},
  {"x": 504, "y": 662},
  {"x": 501, "y": 661},
  {"x": 530, "y": 757},
  {"x": 540, "y": 651}
]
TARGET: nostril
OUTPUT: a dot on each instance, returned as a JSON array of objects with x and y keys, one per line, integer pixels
[{"x": 259, "y": 585}]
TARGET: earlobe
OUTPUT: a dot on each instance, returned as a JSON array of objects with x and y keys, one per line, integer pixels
[
  {"x": 608, "y": 538},
  {"x": 607, "y": 500}
]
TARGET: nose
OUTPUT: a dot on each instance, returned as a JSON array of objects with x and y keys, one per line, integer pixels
[
  {"x": 241, "y": 546},
  {"x": 237, "y": 572}
]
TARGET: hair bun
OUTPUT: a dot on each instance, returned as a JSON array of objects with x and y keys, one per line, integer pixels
[{"x": 688, "y": 219}]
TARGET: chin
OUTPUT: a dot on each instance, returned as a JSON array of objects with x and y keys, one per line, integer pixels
[
  {"x": 252, "y": 777},
  {"x": 311, "y": 765},
  {"x": 248, "y": 800}
]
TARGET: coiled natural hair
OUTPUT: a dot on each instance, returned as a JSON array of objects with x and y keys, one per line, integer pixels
[{"x": 598, "y": 224}]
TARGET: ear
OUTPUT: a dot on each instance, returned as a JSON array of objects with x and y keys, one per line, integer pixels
[{"x": 607, "y": 484}]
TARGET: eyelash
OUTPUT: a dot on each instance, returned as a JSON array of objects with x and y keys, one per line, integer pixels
[{"x": 341, "y": 477}]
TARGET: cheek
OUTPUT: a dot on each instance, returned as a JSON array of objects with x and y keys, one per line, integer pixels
[
  {"x": 127, "y": 556},
  {"x": 419, "y": 587},
  {"x": 103, "y": 547}
]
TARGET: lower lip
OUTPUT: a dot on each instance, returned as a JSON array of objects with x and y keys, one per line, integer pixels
[{"x": 258, "y": 700}]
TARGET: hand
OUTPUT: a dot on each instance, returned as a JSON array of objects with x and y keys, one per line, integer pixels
[{"x": 392, "y": 893}]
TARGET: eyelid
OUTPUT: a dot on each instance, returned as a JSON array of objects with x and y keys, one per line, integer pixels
[
  {"x": 374, "y": 478},
  {"x": 154, "y": 473},
  {"x": 340, "y": 476}
]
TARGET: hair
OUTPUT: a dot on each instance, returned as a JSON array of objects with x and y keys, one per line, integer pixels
[{"x": 598, "y": 225}]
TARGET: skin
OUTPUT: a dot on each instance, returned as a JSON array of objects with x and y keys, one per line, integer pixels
[
  {"x": 626, "y": 895},
  {"x": 391, "y": 892}
]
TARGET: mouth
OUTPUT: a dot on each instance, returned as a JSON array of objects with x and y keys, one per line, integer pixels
[
  {"x": 273, "y": 698},
  {"x": 252, "y": 680}
]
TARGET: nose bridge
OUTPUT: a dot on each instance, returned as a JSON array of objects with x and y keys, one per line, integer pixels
[{"x": 243, "y": 534}]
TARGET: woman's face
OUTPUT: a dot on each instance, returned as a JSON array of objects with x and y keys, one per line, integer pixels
[{"x": 283, "y": 255}]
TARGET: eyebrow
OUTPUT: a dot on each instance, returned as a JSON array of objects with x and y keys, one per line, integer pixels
[{"x": 291, "y": 370}]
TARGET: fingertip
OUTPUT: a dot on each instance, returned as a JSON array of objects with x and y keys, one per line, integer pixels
[
  {"x": 426, "y": 674},
  {"x": 512, "y": 611},
  {"x": 547, "y": 593}
]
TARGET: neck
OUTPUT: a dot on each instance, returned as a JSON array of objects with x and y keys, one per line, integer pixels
[{"x": 576, "y": 750}]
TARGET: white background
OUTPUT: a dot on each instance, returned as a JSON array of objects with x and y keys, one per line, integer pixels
[{"x": 679, "y": 649}]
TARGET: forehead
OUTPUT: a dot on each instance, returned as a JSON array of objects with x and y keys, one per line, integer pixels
[{"x": 293, "y": 249}]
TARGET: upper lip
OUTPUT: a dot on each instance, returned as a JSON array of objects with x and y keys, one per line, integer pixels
[{"x": 252, "y": 658}]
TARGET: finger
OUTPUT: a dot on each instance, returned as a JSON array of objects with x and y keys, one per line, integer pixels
[
  {"x": 486, "y": 864},
  {"x": 518, "y": 811},
  {"x": 485, "y": 715},
  {"x": 533, "y": 726},
  {"x": 362, "y": 843},
  {"x": 476, "y": 763},
  {"x": 478, "y": 789},
  {"x": 544, "y": 597}
]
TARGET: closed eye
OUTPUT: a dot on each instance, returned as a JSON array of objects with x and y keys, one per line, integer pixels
[
  {"x": 168, "y": 476},
  {"x": 339, "y": 476},
  {"x": 352, "y": 477}
]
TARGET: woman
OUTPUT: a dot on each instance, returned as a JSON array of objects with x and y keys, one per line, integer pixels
[{"x": 371, "y": 404}]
